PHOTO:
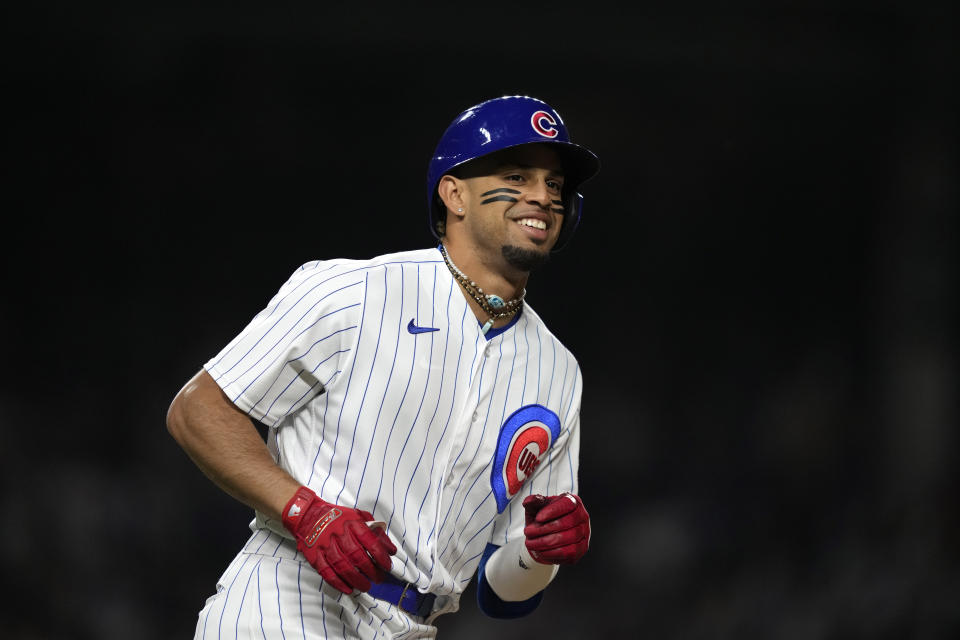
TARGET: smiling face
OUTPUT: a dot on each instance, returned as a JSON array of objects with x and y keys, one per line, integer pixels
[{"x": 513, "y": 205}]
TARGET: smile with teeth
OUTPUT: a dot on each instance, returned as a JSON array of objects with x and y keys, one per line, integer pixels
[{"x": 532, "y": 222}]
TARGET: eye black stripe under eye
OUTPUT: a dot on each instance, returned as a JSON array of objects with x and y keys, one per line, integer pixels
[
  {"x": 557, "y": 202},
  {"x": 500, "y": 190},
  {"x": 499, "y": 199},
  {"x": 556, "y": 209}
]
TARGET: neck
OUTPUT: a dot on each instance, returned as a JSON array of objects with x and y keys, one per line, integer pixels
[{"x": 491, "y": 273}]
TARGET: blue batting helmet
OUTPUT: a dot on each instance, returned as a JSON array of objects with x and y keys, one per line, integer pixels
[{"x": 507, "y": 122}]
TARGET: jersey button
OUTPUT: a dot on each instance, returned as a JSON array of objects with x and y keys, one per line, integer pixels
[{"x": 476, "y": 416}]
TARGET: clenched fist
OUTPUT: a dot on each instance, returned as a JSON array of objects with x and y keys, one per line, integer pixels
[{"x": 557, "y": 528}]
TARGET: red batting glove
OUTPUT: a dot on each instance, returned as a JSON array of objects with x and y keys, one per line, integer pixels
[
  {"x": 558, "y": 528},
  {"x": 337, "y": 542}
]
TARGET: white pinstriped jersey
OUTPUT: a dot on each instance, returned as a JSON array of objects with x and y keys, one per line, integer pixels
[{"x": 414, "y": 427}]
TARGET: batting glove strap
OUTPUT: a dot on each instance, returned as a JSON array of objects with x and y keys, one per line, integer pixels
[{"x": 300, "y": 516}]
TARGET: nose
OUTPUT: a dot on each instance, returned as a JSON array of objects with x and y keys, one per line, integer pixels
[{"x": 539, "y": 194}]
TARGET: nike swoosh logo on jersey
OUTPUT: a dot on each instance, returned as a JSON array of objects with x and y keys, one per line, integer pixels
[{"x": 414, "y": 329}]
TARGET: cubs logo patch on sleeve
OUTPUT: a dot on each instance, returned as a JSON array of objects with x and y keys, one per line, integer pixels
[{"x": 524, "y": 440}]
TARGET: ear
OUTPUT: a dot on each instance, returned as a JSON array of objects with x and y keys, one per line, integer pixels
[{"x": 451, "y": 192}]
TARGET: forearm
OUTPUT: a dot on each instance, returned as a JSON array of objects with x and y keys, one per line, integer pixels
[{"x": 223, "y": 442}]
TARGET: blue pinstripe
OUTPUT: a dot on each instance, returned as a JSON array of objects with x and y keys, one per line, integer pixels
[
  {"x": 289, "y": 384},
  {"x": 267, "y": 332},
  {"x": 280, "y": 340},
  {"x": 383, "y": 622},
  {"x": 569, "y": 458},
  {"x": 503, "y": 415},
  {"x": 526, "y": 365},
  {"x": 562, "y": 385},
  {"x": 226, "y": 598},
  {"x": 523, "y": 393},
  {"x": 403, "y": 398},
  {"x": 506, "y": 402},
  {"x": 279, "y": 302},
  {"x": 265, "y": 317},
  {"x": 466, "y": 544},
  {"x": 462, "y": 449},
  {"x": 426, "y": 386},
  {"x": 265, "y": 538},
  {"x": 206, "y": 619},
  {"x": 323, "y": 612},
  {"x": 376, "y": 605},
  {"x": 260, "y": 601},
  {"x": 348, "y": 272},
  {"x": 437, "y": 449},
  {"x": 553, "y": 371},
  {"x": 343, "y": 626},
  {"x": 347, "y": 392},
  {"x": 303, "y": 629},
  {"x": 486, "y": 421},
  {"x": 277, "y": 377},
  {"x": 277, "y": 582},
  {"x": 243, "y": 599},
  {"x": 426, "y": 436},
  {"x": 572, "y": 395},
  {"x": 323, "y": 435},
  {"x": 539, "y": 358},
  {"x": 363, "y": 400}
]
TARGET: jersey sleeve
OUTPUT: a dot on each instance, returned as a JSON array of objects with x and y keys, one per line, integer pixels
[
  {"x": 491, "y": 604},
  {"x": 556, "y": 474},
  {"x": 294, "y": 348}
]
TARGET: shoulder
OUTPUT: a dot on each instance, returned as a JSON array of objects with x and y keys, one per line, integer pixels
[
  {"x": 400, "y": 258},
  {"x": 389, "y": 271},
  {"x": 536, "y": 328},
  {"x": 339, "y": 270}
]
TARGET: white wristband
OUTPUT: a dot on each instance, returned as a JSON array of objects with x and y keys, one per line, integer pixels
[{"x": 514, "y": 575}]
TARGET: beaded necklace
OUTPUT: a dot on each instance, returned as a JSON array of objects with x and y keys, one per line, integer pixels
[{"x": 493, "y": 305}]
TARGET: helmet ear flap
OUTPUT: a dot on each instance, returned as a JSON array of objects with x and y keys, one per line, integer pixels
[{"x": 572, "y": 210}]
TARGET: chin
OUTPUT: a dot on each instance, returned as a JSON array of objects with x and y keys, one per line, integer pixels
[{"x": 525, "y": 259}]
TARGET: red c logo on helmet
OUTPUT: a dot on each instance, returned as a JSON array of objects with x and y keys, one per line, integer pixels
[{"x": 547, "y": 130}]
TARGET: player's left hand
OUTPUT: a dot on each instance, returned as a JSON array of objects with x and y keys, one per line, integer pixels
[{"x": 557, "y": 528}]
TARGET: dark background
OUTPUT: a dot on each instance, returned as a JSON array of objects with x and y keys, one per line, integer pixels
[{"x": 762, "y": 294}]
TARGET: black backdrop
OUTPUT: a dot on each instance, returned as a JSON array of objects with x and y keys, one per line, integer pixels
[{"x": 762, "y": 294}]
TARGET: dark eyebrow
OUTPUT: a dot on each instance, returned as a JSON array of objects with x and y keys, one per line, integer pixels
[{"x": 509, "y": 165}]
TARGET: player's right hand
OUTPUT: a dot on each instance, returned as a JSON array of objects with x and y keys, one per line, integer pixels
[{"x": 337, "y": 541}]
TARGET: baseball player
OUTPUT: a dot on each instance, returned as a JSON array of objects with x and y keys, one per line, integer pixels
[{"x": 423, "y": 423}]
